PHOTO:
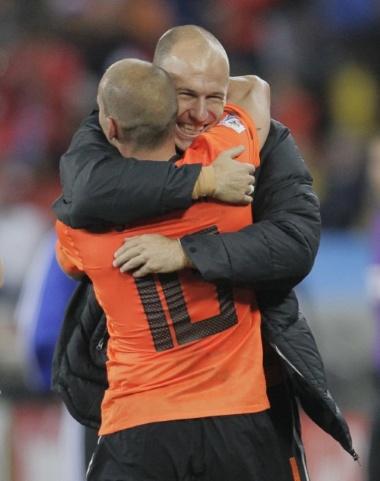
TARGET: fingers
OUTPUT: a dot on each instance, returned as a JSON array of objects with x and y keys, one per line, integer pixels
[
  {"x": 250, "y": 190},
  {"x": 142, "y": 272},
  {"x": 247, "y": 199},
  {"x": 251, "y": 180},
  {"x": 250, "y": 168},
  {"x": 132, "y": 264},
  {"x": 124, "y": 255},
  {"x": 132, "y": 247},
  {"x": 145, "y": 254},
  {"x": 121, "y": 250},
  {"x": 245, "y": 167}
]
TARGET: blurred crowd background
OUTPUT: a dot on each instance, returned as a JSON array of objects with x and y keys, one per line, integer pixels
[{"x": 321, "y": 60}]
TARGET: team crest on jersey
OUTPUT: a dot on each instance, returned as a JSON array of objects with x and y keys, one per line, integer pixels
[{"x": 233, "y": 122}]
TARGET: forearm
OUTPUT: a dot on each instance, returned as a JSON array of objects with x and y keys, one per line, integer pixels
[
  {"x": 134, "y": 191},
  {"x": 253, "y": 95},
  {"x": 102, "y": 189},
  {"x": 280, "y": 247}
]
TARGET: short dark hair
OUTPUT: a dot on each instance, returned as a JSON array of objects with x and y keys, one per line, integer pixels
[{"x": 141, "y": 98}]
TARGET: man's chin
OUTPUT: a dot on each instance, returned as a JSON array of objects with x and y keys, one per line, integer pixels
[{"x": 183, "y": 143}]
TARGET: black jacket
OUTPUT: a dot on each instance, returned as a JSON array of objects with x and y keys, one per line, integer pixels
[
  {"x": 79, "y": 374},
  {"x": 101, "y": 191}
]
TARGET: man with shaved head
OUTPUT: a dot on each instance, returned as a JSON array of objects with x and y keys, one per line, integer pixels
[
  {"x": 201, "y": 80},
  {"x": 120, "y": 113},
  {"x": 176, "y": 362},
  {"x": 102, "y": 191},
  {"x": 280, "y": 249}
]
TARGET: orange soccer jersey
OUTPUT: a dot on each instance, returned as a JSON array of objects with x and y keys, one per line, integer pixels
[{"x": 179, "y": 347}]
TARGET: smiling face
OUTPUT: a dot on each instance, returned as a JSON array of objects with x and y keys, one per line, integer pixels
[{"x": 201, "y": 82}]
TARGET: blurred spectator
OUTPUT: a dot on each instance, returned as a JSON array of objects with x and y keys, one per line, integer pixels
[
  {"x": 347, "y": 14},
  {"x": 42, "y": 98},
  {"x": 343, "y": 162},
  {"x": 296, "y": 107},
  {"x": 43, "y": 94},
  {"x": 40, "y": 311},
  {"x": 97, "y": 27},
  {"x": 21, "y": 226},
  {"x": 353, "y": 95}
]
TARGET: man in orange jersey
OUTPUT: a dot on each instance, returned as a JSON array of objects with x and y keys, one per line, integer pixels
[
  {"x": 187, "y": 395},
  {"x": 103, "y": 190}
]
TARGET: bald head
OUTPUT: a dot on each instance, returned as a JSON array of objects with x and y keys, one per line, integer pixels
[
  {"x": 199, "y": 67},
  {"x": 188, "y": 40},
  {"x": 140, "y": 98}
]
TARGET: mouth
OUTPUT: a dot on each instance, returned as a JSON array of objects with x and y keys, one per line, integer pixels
[{"x": 189, "y": 132}]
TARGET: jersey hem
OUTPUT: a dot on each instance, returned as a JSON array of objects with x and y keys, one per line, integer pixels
[{"x": 253, "y": 409}]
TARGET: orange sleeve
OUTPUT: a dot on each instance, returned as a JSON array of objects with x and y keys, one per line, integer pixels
[
  {"x": 67, "y": 258},
  {"x": 250, "y": 125},
  {"x": 235, "y": 128}
]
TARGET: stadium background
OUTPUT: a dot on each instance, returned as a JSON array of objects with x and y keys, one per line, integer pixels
[{"x": 321, "y": 59}]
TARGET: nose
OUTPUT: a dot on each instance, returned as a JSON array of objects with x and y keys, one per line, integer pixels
[{"x": 199, "y": 112}]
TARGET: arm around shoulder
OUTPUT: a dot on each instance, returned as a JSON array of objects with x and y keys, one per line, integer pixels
[
  {"x": 252, "y": 93},
  {"x": 101, "y": 188},
  {"x": 281, "y": 245}
]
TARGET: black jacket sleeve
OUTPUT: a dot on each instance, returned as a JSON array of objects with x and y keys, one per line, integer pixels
[
  {"x": 280, "y": 247},
  {"x": 102, "y": 189}
]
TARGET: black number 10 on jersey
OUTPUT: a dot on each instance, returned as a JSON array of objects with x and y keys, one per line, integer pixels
[{"x": 185, "y": 330}]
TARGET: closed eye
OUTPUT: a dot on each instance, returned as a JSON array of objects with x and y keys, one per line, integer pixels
[{"x": 186, "y": 94}]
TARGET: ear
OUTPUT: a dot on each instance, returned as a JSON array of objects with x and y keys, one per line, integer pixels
[{"x": 111, "y": 129}]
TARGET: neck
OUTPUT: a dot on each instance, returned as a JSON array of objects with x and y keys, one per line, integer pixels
[{"x": 162, "y": 153}]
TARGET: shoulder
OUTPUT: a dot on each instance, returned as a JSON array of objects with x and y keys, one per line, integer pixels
[
  {"x": 235, "y": 118},
  {"x": 281, "y": 157},
  {"x": 247, "y": 85},
  {"x": 278, "y": 132}
]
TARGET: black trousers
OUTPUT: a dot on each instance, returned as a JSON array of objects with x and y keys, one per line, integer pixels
[
  {"x": 90, "y": 442},
  {"x": 224, "y": 448}
]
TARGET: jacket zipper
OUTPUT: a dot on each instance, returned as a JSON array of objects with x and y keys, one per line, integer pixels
[
  {"x": 100, "y": 344},
  {"x": 351, "y": 451},
  {"x": 287, "y": 360}
]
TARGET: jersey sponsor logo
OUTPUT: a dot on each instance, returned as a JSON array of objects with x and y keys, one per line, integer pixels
[{"x": 233, "y": 123}]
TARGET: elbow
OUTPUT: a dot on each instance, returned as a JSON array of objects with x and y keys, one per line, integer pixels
[
  {"x": 305, "y": 232},
  {"x": 255, "y": 82},
  {"x": 80, "y": 211},
  {"x": 304, "y": 255},
  {"x": 305, "y": 266},
  {"x": 298, "y": 258}
]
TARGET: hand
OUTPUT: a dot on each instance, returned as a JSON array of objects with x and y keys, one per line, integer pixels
[
  {"x": 150, "y": 254},
  {"x": 234, "y": 180}
]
